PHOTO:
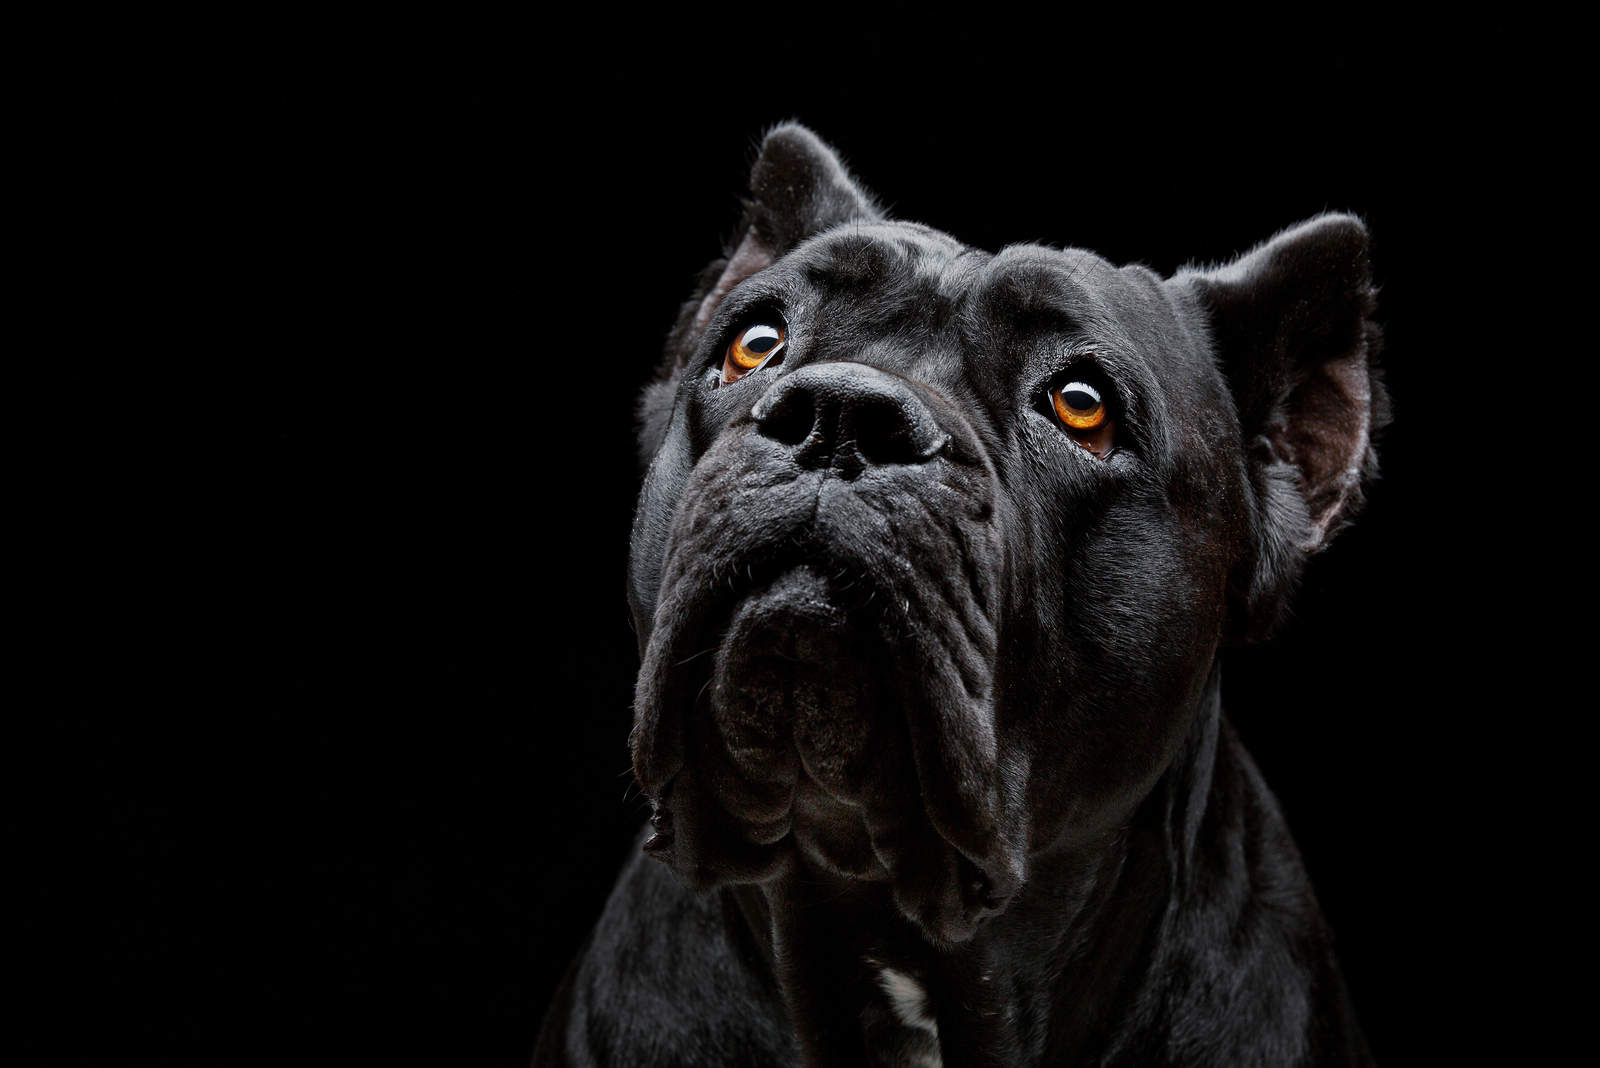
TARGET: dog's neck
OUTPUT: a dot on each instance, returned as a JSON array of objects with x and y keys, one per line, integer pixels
[{"x": 1043, "y": 980}]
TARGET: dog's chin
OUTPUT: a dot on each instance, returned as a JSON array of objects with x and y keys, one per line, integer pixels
[
  {"x": 797, "y": 750},
  {"x": 799, "y": 724}
]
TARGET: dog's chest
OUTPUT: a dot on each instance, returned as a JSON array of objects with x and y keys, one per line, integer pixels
[{"x": 901, "y": 1030}]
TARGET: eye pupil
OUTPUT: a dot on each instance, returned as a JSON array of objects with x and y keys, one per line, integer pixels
[
  {"x": 760, "y": 344},
  {"x": 1080, "y": 399}
]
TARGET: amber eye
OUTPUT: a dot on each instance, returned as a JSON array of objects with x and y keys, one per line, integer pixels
[
  {"x": 1084, "y": 415},
  {"x": 1079, "y": 405},
  {"x": 754, "y": 346}
]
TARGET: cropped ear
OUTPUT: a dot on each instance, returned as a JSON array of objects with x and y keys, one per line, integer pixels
[
  {"x": 1294, "y": 334},
  {"x": 798, "y": 188}
]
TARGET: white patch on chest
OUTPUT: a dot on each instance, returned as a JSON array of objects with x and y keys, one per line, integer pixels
[{"x": 910, "y": 1004}]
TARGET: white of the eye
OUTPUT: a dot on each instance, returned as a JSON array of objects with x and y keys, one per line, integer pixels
[
  {"x": 759, "y": 333},
  {"x": 1081, "y": 387}
]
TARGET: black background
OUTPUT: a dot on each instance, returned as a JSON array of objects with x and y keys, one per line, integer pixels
[{"x": 342, "y": 659}]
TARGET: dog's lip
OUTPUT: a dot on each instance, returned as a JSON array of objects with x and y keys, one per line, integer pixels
[
  {"x": 751, "y": 845},
  {"x": 699, "y": 634},
  {"x": 947, "y": 914},
  {"x": 691, "y": 680}
]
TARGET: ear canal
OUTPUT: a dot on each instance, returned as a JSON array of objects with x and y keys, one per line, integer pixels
[
  {"x": 1293, "y": 329},
  {"x": 797, "y": 188}
]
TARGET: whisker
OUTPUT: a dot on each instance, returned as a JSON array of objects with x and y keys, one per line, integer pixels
[{"x": 696, "y": 656}]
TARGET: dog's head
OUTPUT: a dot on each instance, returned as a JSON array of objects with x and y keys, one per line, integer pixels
[{"x": 936, "y": 547}]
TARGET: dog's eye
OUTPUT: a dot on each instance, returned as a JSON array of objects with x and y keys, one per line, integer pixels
[
  {"x": 1083, "y": 415},
  {"x": 754, "y": 346},
  {"x": 1079, "y": 405}
]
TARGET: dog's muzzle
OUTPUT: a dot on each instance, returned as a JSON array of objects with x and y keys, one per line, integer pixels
[{"x": 818, "y": 685}]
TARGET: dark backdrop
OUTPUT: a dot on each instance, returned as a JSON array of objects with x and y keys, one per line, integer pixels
[{"x": 347, "y": 698}]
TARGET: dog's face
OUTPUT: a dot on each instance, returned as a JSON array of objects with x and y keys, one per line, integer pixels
[{"x": 937, "y": 547}]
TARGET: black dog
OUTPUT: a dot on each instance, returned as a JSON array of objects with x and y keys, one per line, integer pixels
[{"x": 932, "y": 567}]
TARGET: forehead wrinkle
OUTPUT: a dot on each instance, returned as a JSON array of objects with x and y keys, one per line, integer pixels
[
  {"x": 910, "y": 239},
  {"x": 920, "y": 267},
  {"x": 852, "y": 261},
  {"x": 956, "y": 276},
  {"x": 1039, "y": 288}
]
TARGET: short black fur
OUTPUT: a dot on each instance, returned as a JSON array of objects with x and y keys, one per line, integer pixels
[{"x": 929, "y": 707}]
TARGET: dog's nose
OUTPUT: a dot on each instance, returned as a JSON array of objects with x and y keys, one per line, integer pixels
[{"x": 849, "y": 416}]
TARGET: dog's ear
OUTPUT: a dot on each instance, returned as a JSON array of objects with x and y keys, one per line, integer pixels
[
  {"x": 1292, "y": 324},
  {"x": 798, "y": 188}
]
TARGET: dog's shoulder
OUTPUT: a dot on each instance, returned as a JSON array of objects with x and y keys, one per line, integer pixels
[
  {"x": 665, "y": 981},
  {"x": 1244, "y": 969}
]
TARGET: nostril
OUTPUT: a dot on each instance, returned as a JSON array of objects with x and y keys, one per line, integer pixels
[
  {"x": 790, "y": 420},
  {"x": 886, "y": 433}
]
